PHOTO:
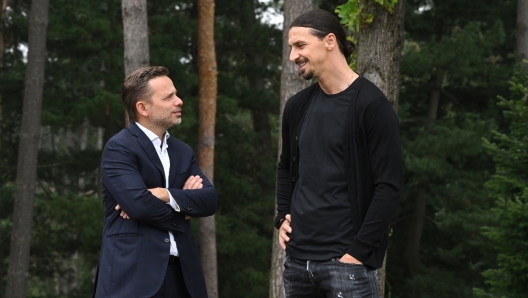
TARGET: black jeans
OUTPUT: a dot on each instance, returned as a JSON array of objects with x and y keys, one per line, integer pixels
[{"x": 329, "y": 278}]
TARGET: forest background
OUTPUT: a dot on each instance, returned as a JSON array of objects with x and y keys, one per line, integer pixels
[{"x": 465, "y": 209}]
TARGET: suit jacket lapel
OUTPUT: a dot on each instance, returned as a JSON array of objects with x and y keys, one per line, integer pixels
[
  {"x": 174, "y": 157},
  {"x": 146, "y": 143}
]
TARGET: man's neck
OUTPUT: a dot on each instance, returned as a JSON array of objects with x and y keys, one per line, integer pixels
[
  {"x": 337, "y": 82},
  {"x": 160, "y": 132},
  {"x": 336, "y": 77}
]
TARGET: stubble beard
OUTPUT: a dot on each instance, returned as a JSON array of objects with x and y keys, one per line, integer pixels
[
  {"x": 307, "y": 75},
  {"x": 166, "y": 121}
]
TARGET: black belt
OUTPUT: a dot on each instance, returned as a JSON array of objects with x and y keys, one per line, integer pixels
[{"x": 174, "y": 259}]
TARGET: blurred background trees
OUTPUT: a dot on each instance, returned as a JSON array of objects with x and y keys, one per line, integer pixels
[{"x": 460, "y": 230}]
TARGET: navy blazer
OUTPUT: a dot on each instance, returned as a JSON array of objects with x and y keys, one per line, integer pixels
[{"x": 135, "y": 252}]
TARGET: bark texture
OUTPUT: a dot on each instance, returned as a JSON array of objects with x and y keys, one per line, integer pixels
[
  {"x": 135, "y": 32},
  {"x": 522, "y": 29},
  {"x": 379, "y": 49},
  {"x": 2, "y": 17},
  {"x": 206, "y": 129},
  {"x": 291, "y": 83},
  {"x": 28, "y": 151},
  {"x": 378, "y": 59}
]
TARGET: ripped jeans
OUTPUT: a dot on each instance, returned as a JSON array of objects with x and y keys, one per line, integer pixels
[{"x": 329, "y": 278}]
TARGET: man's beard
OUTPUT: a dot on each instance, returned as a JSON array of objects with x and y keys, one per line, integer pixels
[
  {"x": 307, "y": 75},
  {"x": 166, "y": 123}
]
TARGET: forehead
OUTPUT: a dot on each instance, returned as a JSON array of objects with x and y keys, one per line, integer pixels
[
  {"x": 161, "y": 84},
  {"x": 300, "y": 34}
]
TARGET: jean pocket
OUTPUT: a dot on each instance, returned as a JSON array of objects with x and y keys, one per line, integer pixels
[
  {"x": 287, "y": 261},
  {"x": 338, "y": 261}
]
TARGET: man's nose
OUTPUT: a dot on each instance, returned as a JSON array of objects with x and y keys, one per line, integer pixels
[
  {"x": 178, "y": 101},
  {"x": 293, "y": 55}
]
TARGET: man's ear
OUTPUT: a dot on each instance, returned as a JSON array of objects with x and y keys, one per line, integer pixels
[
  {"x": 141, "y": 108},
  {"x": 330, "y": 41}
]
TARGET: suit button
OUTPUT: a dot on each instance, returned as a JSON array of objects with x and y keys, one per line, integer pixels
[
  {"x": 177, "y": 226},
  {"x": 294, "y": 158},
  {"x": 167, "y": 240},
  {"x": 296, "y": 139},
  {"x": 293, "y": 178}
]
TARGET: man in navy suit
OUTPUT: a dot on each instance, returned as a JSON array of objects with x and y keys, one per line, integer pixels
[{"x": 151, "y": 185}]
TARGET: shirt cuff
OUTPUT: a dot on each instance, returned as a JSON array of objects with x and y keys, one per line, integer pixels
[{"x": 173, "y": 203}]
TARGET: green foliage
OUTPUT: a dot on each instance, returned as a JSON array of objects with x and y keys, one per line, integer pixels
[
  {"x": 509, "y": 186},
  {"x": 354, "y": 16},
  {"x": 82, "y": 109},
  {"x": 458, "y": 52}
]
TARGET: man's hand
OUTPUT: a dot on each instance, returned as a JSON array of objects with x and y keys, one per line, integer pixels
[
  {"x": 349, "y": 259},
  {"x": 194, "y": 182},
  {"x": 122, "y": 214},
  {"x": 160, "y": 193},
  {"x": 284, "y": 230}
]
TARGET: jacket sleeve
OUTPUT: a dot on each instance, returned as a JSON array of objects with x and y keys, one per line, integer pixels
[
  {"x": 121, "y": 177},
  {"x": 284, "y": 194},
  {"x": 196, "y": 202},
  {"x": 385, "y": 160}
]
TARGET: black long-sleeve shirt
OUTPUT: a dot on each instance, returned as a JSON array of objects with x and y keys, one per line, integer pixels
[{"x": 372, "y": 162}]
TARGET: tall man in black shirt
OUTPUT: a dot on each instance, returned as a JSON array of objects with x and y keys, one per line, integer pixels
[{"x": 339, "y": 178}]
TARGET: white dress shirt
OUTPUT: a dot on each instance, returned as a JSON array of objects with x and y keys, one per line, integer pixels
[{"x": 161, "y": 149}]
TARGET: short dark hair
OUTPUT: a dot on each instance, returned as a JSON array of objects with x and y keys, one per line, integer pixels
[
  {"x": 136, "y": 87},
  {"x": 323, "y": 23}
]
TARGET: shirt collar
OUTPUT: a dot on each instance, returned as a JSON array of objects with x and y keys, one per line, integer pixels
[{"x": 152, "y": 136}]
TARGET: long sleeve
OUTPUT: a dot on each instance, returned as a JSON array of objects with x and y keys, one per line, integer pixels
[
  {"x": 284, "y": 192},
  {"x": 123, "y": 181}
]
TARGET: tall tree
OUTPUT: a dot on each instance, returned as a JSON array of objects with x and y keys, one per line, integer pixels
[
  {"x": 522, "y": 29},
  {"x": 509, "y": 186},
  {"x": 451, "y": 70},
  {"x": 206, "y": 133},
  {"x": 2, "y": 16},
  {"x": 28, "y": 151},
  {"x": 291, "y": 83},
  {"x": 135, "y": 31}
]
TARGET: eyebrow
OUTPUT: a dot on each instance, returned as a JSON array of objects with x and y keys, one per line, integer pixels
[
  {"x": 170, "y": 94},
  {"x": 297, "y": 43}
]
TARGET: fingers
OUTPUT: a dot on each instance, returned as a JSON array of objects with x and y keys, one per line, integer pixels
[
  {"x": 193, "y": 182},
  {"x": 284, "y": 231},
  {"x": 187, "y": 217},
  {"x": 160, "y": 193},
  {"x": 122, "y": 213}
]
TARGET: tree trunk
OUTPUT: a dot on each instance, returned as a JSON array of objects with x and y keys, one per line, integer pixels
[
  {"x": 379, "y": 62},
  {"x": 28, "y": 151},
  {"x": 2, "y": 16},
  {"x": 522, "y": 29},
  {"x": 291, "y": 83},
  {"x": 261, "y": 124},
  {"x": 260, "y": 117},
  {"x": 522, "y": 32},
  {"x": 206, "y": 129},
  {"x": 135, "y": 31},
  {"x": 414, "y": 235}
]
